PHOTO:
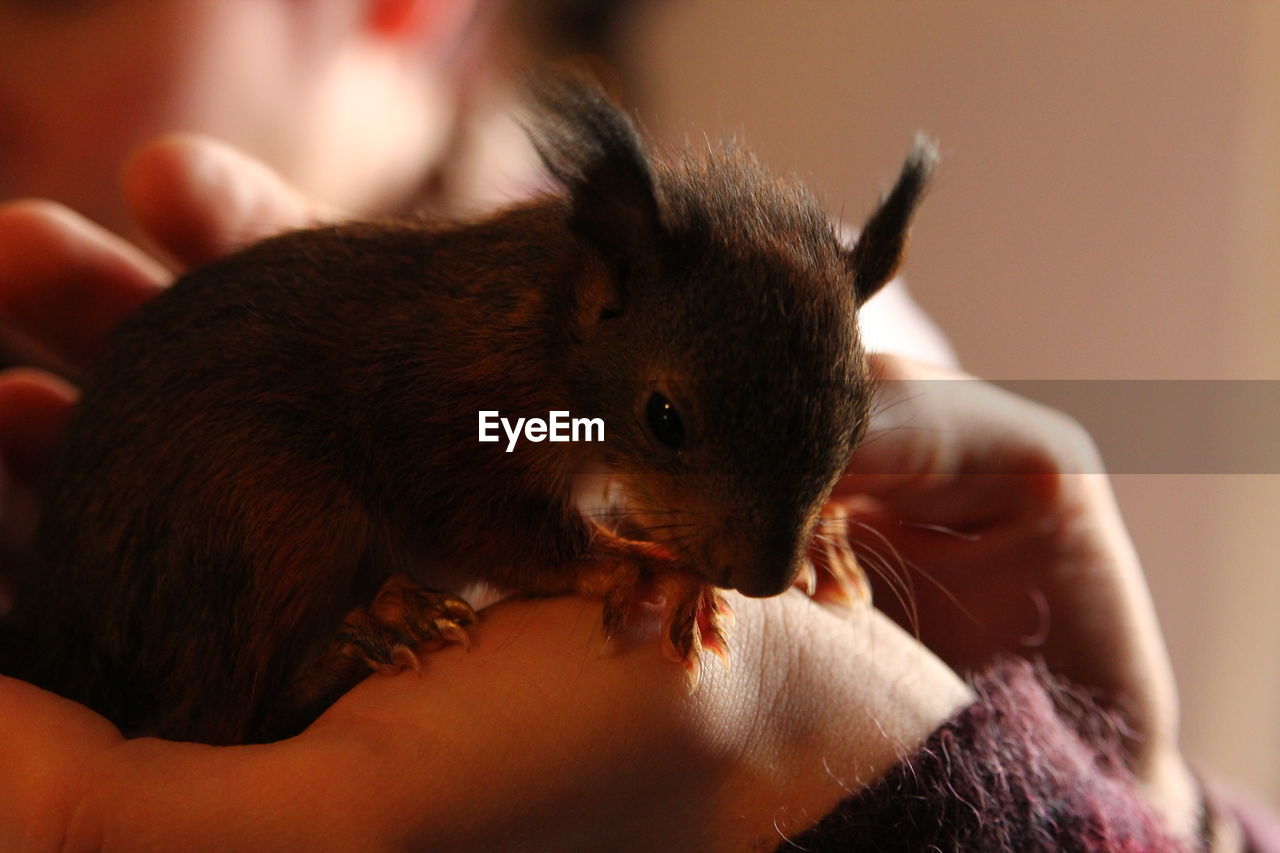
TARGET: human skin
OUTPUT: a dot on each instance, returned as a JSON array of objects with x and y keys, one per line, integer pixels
[
  {"x": 355, "y": 101},
  {"x": 592, "y": 746},
  {"x": 535, "y": 735},
  {"x": 1007, "y": 504}
]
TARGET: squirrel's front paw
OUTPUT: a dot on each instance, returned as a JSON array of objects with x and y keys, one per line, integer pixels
[
  {"x": 695, "y": 616},
  {"x": 696, "y": 620},
  {"x": 833, "y": 573},
  {"x": 402, "y": 619}
]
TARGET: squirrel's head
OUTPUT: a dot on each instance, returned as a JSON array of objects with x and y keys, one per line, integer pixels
[{"x": 716, "y": 335}]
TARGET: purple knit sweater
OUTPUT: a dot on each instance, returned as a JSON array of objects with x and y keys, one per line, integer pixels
[{"x": 1026, "y": 767}]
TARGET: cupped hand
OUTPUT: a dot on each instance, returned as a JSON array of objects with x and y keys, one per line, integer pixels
[
  {"x": 538, "y": 735},
  {"x": 990, "y": 528}
]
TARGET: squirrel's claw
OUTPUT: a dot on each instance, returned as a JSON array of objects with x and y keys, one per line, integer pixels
[
  {"x": 695, "y": 615},
  {"x": 835, "y": 577},
  {"x": 403, "y": 620},
  {"x": 807, "y": 580},
  {"x": 696, "y": 623}
]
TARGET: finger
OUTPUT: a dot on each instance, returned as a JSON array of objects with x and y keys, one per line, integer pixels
[
  {"x": 909, "y": 447},
  {"x": 200, "y": 198},
  {"x": 34, "y": 408},
  {"x": 66, "y": 282},
  {"x": 937, "y": 435},
  {"x": 911, "y": 428}
]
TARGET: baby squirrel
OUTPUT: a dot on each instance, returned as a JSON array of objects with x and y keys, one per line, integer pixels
[{"x": 275, "y": 469}]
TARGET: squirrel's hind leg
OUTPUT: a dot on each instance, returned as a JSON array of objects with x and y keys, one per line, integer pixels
[{"x": 403, "y": 621}]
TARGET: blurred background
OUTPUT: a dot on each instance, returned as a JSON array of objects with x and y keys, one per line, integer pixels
[{"x": 1108, "y": 209}]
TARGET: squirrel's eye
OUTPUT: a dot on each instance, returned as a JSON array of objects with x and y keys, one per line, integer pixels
[{"x": 664, "y": 422}]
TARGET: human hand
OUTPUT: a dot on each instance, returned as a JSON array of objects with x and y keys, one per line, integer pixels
[
  {"x": 993, "y": 529},
  {"x": 534, "y": 735}
]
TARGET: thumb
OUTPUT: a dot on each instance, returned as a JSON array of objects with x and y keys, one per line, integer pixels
[{"x": 200, "y": 198}]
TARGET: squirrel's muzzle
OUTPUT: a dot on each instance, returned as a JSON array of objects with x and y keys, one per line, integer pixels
[{"x": 759, "y": 569}]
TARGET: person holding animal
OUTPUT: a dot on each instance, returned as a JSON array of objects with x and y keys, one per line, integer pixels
[{"x": 495, "y": 744}]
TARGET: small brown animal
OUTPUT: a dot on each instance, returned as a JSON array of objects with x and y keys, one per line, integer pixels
[{"x": 275, "y": 470}]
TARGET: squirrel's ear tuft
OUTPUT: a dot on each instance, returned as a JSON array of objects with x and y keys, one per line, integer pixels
[
  {"x": 590, "y": 145},
  {"x": 883, "y": 242}
]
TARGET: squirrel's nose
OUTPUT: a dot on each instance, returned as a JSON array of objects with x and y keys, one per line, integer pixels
[
  {"x": 763, "y": 584},
  {"x": 762, "y": 571}
]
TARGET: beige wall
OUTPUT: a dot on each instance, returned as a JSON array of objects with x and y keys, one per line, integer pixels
[{"x": 1108, "y": 209}]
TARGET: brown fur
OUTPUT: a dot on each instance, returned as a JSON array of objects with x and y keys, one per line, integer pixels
[{"x": 285, "y": 429}]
